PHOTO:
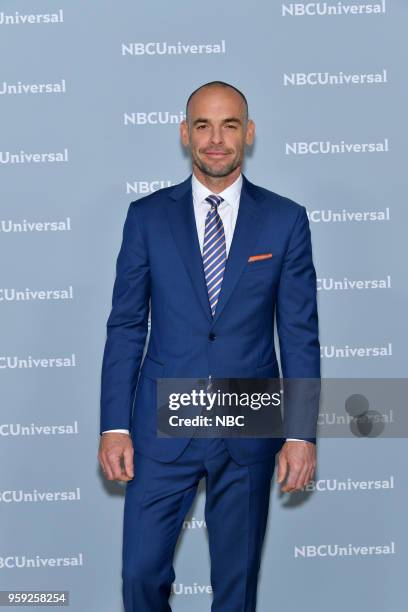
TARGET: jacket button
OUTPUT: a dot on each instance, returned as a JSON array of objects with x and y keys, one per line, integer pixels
[{"x": 212, "y": 337}]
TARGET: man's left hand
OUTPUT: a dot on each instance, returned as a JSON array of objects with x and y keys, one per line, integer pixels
[{"x": 296, "y": 464}]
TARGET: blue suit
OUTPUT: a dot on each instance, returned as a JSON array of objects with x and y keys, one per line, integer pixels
[{"x": 160, "y": 262}]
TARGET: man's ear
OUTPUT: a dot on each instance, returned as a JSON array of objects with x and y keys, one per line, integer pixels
[
  {"x": 184, "y": 133},
  {"x": 250, "y": 132}
]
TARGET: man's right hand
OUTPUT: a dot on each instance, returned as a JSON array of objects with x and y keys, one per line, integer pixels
[{"x": 112, "y": 447}]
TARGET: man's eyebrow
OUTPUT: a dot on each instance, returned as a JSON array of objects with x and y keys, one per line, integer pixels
[{"x": 227, "y": 120}]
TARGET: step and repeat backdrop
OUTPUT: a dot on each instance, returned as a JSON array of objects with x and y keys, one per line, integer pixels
[{"x": 91, "y": 97}]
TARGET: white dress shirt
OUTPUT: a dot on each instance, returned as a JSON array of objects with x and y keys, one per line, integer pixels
[{"x": 228, "y": 211}]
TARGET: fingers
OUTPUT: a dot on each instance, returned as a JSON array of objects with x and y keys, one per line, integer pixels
[
  {"x": 296, "y": 471},
  {"x": 300, "y": 462},
  {"x": 128, "y": 461},
  {"x": 298, "y": 478},
  {"x": 106, "y": 469},
  {"x": 282, "y": 468},
  {"x": 114, "y": 464},
  {"x": 112, "y": 448},
  {"x": 310, "y": 474},
  {"x": 302, "y": 479}
]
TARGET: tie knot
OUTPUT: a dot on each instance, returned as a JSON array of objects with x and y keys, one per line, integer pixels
[{"x": 214, "y": 200}]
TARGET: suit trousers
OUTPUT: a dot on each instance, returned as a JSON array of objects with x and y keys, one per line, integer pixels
[{"x": 157, "y": 501}]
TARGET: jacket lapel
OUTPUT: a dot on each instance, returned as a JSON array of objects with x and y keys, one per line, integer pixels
[
  {"x": 247, "y": 228},
  {"x": 184, "y": 230}
]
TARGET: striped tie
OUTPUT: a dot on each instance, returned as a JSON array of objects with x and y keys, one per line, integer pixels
[{"x": 214, "y": 251}]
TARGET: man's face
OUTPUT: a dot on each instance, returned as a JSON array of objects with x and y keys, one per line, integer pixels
[{"x": 217, "y": 131}]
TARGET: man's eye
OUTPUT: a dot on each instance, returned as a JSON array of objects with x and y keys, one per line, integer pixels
[
  {"x": 231, "y": 125},
  {"x": 200, "y": 127}
]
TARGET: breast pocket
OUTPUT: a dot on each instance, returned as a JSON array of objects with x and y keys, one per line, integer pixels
[{"x": 267, "y": 264}]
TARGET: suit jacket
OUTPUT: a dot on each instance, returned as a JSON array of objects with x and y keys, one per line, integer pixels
[{"x": 159, "y": 267}]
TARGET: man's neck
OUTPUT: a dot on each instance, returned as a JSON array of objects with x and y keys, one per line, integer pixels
[{"x": 216, "y": 184}]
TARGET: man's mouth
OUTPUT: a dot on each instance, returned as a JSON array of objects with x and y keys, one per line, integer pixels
[{"x": 216, "y": 153}]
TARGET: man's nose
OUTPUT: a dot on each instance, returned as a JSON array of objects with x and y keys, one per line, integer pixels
[{"x": 216, "y": 136}]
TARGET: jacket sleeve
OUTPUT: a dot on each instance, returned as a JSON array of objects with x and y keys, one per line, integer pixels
[
  {"x": 127, "y": 326},
  {"x": 297, "y": 326}
]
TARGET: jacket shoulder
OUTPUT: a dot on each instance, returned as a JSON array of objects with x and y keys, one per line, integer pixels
[
  {"x": 272, "y": 198},
  {"x": 159, "y": 197},
  {"x": 277, "y": 204}
]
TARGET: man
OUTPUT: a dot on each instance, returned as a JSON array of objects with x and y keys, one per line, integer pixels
[{"x": 213, "y": 258}]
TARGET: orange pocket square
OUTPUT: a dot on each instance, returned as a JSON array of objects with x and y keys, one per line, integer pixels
[{"x": 257, "y": 257}]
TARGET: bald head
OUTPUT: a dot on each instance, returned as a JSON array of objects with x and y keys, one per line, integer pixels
[{"x": 220, "y": 85}]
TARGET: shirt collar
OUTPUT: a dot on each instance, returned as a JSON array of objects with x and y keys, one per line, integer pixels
[{"x": 231, "y": 194}]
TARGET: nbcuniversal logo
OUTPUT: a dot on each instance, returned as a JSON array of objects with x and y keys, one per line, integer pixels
[{"x": 332, "y": 9}]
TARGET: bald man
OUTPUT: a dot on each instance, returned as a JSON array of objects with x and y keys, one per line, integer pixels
[{"x": 213, "y": 260}]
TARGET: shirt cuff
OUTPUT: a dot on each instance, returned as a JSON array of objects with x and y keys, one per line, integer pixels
[{"x": 126, "y": 431}]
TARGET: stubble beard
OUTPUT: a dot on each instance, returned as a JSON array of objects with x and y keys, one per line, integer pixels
[{"x": 213, "y": 173}]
